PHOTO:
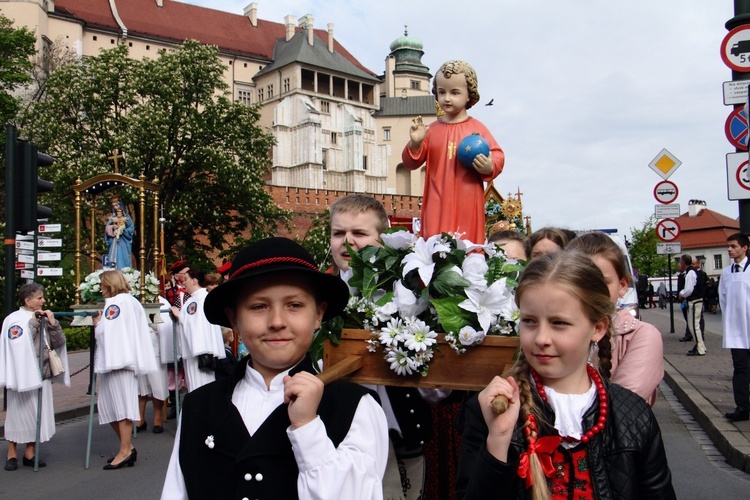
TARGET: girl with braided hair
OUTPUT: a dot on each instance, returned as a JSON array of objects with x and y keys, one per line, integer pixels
[{"x": 567, "y": 431}]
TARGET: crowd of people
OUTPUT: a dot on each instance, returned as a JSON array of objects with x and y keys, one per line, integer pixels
[{"x": 578, "y": 421}]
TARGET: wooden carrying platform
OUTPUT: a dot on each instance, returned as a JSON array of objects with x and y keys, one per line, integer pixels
[{"x": 470, "y": 371}]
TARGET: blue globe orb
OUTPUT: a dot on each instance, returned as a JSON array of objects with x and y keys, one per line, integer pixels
[{"x": 471, "y": 146}]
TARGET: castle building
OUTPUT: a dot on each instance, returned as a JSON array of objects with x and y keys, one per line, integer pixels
[{"x": 339, "y": 127}]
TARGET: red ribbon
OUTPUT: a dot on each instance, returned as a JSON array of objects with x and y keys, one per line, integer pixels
[{"x": 543, "y": 447}]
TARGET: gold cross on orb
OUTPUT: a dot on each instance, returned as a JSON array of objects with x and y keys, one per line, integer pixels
[{"x": 114, "y": 157}]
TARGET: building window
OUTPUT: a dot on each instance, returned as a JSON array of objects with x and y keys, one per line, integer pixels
[
  {"x": 270, "y": 91},
  {"x": 287, "y": 85},
  {"x": 718, "y": 261},
  {"x": 333, "y": 137},
  {"x": 364, "y": 162},
  {"x": 325, "y": 157},
  {"x": 245, "y": 97},
  {"x": 415, "y": 84},
  {"x": 325, "y": 107},
  {"x": 387, "y": 134},
  {"x": 260, "y": 95}
]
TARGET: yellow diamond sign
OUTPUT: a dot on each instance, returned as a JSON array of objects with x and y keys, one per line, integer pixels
[{"x": 664, "y": 164}]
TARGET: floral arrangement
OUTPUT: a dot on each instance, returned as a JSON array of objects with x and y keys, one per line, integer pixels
[
  {"x": 411, "y": 288},
  {"x": 91, "y": 291}
]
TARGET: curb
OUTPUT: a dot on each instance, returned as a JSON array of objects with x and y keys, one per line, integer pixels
[
  {"x": 725, "y": 436},
  {"x": 62, "y": 415}
]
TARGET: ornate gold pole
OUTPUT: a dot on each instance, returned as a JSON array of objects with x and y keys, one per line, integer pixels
[
  {"x": 142, "y": 252},
  {"x": 77, "y": 204},
  {"x": 92, "y": 259},
  {"x": 156, "y": 231}
]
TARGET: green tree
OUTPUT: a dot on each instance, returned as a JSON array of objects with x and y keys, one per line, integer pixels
[
  {"x": 642, "y": 250},
  {"x": 174, "y": 122},
  {"x": 16, "y": 47}
]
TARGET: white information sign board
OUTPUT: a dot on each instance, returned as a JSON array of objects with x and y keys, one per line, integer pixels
[{"x": 668, "y": 248}]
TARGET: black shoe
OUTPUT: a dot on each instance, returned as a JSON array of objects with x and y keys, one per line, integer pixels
[
  {"x": 694, "y": 352},
  {"x": 142, "y": 427},
  {"x": 134, "y": 453},
  {"x": 29, "y": 462},
  {"x": 686, "y": 339},
  {"x": 735, "y": 416},
  {"x": 172, "y": 413},
  {"x": 158, "y": 429},
  {"x": 11, "y": 464},
  {"x": 128, "y": 462}
]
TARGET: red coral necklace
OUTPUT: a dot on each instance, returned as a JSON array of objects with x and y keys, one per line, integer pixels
[{"x": 601, "y": 392}]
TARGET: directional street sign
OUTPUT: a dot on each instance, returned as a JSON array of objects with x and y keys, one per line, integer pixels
[
  {"x": 738, "y": 177},
  {"x": 666, "y": 192},
  {"x": 29, "y": 259},
  {"x": 735, "y": 128},
  {"x": 49, "y": 271},
  {"x": 735, "y": 49},
  {"x": 24, "y": 265},
  {"x": 48, "y": 256},
  {"x": 50, "y": 228},
  {"x": 664, "y": 164},
  {"x": 668, "y": 248},
  {"x": 50, "y": 242},
  {"x": 24, "y": 245},
  {"x": 667, "y": 230},
  {"x": 27, "y": 274},
  {"x": 671, "y": 211}
]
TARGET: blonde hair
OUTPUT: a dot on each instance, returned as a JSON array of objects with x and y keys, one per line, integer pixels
[
  {"x": 358, "y": 204},
  {"x": 113, "y": 283},
  {"x": 458, "y": 67},
  {"x": 576, "y": 273}
]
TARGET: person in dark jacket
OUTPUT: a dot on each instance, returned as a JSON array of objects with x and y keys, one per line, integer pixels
[{"x": 566, "y": 431}]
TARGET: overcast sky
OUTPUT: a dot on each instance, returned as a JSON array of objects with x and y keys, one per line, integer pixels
[{"x": 586, "y": 93}]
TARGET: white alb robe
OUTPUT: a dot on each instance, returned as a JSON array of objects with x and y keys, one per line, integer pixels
[{"x": 734, "y": 298}]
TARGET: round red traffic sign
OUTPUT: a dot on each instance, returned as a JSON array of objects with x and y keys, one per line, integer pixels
[
  {"x": 666, "y": 192},
  {"x": 735, "y": 49},
  {"x": 667, "y": 230},
  {"x": 735, "y": 128},
  {"x": 743, "y": 176}
]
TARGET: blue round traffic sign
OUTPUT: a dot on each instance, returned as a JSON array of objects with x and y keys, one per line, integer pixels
[{"x": 736, "y": 128}]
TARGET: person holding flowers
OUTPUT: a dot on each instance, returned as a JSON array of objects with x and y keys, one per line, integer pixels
[{"x": 567, "y": 432}]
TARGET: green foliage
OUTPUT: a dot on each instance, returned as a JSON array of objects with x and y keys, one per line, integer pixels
[
  {"x": 643, "y": 250},
  {"x": 77, "y": 337},
  {"x": 16, "y": 47},
  {"x": 317, "y": 240},
  {"x": 174, "y": 122}
]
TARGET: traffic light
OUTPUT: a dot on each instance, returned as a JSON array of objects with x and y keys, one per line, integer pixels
[{"x": 30, "y": 186}]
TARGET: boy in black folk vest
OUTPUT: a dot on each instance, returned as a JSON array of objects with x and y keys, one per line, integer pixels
[{"x": 271, "y": 429}]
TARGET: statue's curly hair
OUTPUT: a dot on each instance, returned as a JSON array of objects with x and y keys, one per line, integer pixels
[{"x": 458, "y": 67}]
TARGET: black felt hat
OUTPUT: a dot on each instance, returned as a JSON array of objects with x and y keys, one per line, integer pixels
[{"x": 273, "y": 255}]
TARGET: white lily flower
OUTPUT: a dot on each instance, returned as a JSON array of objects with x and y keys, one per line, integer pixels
[
  {"x": 474, "y": 269},
  {"x": 400, "y": 240},
  {"x": 488, "y": 304},
  {"x": 408, "y": 304},
  {"x": 386, "y": 311}
]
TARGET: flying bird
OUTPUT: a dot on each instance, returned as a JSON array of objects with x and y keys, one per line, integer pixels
[{"x": 490, "y": 103}]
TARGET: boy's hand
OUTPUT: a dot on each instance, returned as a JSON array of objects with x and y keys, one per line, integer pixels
[
  {"x": 302, "y": 393},
  {"x": 417, "y": 132},
  {"x": 482, "y": 164}
]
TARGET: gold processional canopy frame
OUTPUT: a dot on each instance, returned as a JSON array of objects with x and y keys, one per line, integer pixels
[{"x": 95, "y": 187}]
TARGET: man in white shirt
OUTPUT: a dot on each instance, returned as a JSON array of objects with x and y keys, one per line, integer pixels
[
  {"x": 692, "y": 294},
  {"x": 734, "y": 291}
]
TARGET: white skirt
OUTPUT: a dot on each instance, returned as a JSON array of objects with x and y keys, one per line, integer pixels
[
  {"x": 194, "y": 376},
  {"x": 155, "y": 383},
  {"x": 117, "y": 396},
  {"x": 20, "y": 420}
]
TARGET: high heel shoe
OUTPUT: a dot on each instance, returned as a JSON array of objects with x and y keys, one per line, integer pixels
[
  {"x": 134, "y": 453},
  {"x": 128, "y": 462}
]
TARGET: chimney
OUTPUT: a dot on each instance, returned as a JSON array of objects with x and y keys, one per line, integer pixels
[
  {"x": 330, "y": 38},
  {"x": 695, "y": 207},
  {"x": 251, "y": 12},
  {"x": 307, "y": 23},
  {"x": 290, "y": 21},
  {"x": 160, "y": 3}
]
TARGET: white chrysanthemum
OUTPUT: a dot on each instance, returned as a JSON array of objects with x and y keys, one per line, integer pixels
[
  {"x": 391, "y": 334},
  {"x": 418, "y": 336},
  {"x": 400, "y": 361}
]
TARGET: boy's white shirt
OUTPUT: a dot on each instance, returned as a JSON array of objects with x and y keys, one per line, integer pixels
[{"x": 353, "y": 470}]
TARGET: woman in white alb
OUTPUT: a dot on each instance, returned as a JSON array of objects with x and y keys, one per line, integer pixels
[
  {"x": 123, "y": 351},
  {"x": 197, "y": 336},
  {"x": 19, "y": 373}
]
